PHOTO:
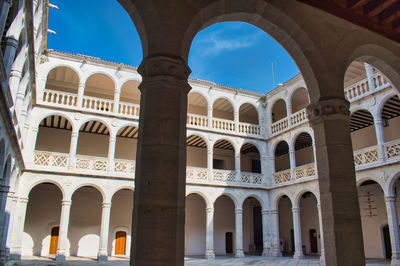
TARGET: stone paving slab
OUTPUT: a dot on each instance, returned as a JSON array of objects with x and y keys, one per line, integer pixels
[{"x": 189, "y": 261}]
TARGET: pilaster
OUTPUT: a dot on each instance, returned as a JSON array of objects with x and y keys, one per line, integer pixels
[
  {"x": 210, "y": 234},
  {"x": 239, "y": 233},
  {"x": 63, "y": 232},
  {"x": 104, "y": 231},
  {"x": 298, "y": 252}
]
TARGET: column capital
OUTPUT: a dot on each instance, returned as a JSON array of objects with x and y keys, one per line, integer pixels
[
  {"x": 23, "y": 200},
  {"x": 210, "y": 210},
  {"x": 274, "y": 211},
  {"x": 164, "y": 65},
  {"x": 66, "y": 202},
  {"x": 390, "y": 198},
  {"x": 81, "y": 85},
  {"x": 324, "y": 109},
  {"x": 106, "y": 205},
  {"x": 239, "y": 210},
  {"x": 265, "y": 212},
  {"x": 295, "y": 210},
  {"x": 74, "y": 134},
  {"x": 113, "y": 138}
]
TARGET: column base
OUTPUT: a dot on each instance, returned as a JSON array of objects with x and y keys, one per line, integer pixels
[
  {"x": 298, "y": 255},
  {"x": 239, "y": 253},
  {"x": 276, "y": 252},
  {"x": 266, "y": 252},
  {"x": 395, "y": 262},
  {"x": 102, "y": 257},
  {"x": 61, "y": 257},
  {"x": 209, "y": 254},
  {"x": 15, "y": 255},
  {"x": 322, "y": 256}
]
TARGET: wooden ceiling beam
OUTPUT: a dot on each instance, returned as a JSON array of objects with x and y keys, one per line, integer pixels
[
  {"x": 390, "y": 11},
  {"x": 373, "y": 8},
  {"x": 356, "y": 3}
]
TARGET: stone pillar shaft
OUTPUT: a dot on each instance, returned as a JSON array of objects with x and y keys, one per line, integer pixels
[
  {"x": 340, "y": 208},
  {"x": 266, "y": 236},
  {"x": 380, "y": 138},
  {"x": 81, "y": 91},
  {"x": 117, "y": 96},
  {"x": 298, "y": 250},
  {"x": 111, "y": 153},
  {"x": 321, "y": 233},
  {"x": 72, "y": 149},
  {"x": 210, "y": 234},
  {"x": 19, "y": 229},
  {"x": 369, "y": 70},
  {"x": 104, "y": 231},
  {"x": 161, "y": 163},
  {"x": 63, "y": 230},
  {"x": 393, "y": 223},
  {"x": 292, "y": 159},
  {"x": 237, "y": 167},
  {"x": 275, "y": 245},
  {"x": 239, "y": 233}
]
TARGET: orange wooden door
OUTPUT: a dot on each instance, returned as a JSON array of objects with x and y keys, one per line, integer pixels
[
  {"x": 54, "y": 240},
  {"x": 120, "y": 243}
]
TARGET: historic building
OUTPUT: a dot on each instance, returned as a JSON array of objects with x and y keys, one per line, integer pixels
[{"x": 70, "y": 131}]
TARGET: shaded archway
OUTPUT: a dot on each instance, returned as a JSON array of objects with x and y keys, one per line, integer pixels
[
  {"x": 224, "y": 226},
  {"x": 223, "y": 155},
  {"x": 391, "y": 119},
  {"x": 282, "y": 160},
  {"x": 42, "y": 215},
  {"x": 197, "y": 104},
  {"x": 299, "y": 100},
  {"x": 303, "y": 149},
  {"x": 373, "y": 219},
  {"x": 248, "y": 114},
  {"x": 310, "y": 228},
  {"x": 130, "y": 92},
  {"x": 223, "y": 109},
  {"x": 362, "y": 129},
  {"x": 195, "y": 225},
  {"x": 100, "y": 86},
  {"x": 126, "y": 142},
  {"x": 250, "y": 159},
  {"x": 63, "y": 79},
  {"x": 286, "y": 234},
  {"x": 252, "y": 227},
  {"x": 54, "y": 134},
  {"x": 93, "y": 139},
  {"x": 278, "y": 110},
  {"x": 196, "y": 151},
  {"x": 85, "y": 221},
  {"x": 120, "y": 221}
]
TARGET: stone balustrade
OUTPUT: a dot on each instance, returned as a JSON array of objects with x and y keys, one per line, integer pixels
[
  {"x": 303, "y": 171},
  {"x": 366, "y": 156},
  {"x": 282, "y": 176},
  {"x": 392, "y": 150},
  {"x": 361, "y": 89}
]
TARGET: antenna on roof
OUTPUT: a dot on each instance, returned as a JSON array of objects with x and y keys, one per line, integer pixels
[{"x": 273, "y": 78}]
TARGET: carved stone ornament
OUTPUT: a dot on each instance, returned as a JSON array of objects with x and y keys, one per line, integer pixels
[
  {"x": 385, "y": 176},
  {"x": 164, "y": 66},
  {"x": 114, "y": 122},
  {"x": 43, "y": 59},
  {"x": 328, "y": 107},
  {"x": 77, "y": 116}
]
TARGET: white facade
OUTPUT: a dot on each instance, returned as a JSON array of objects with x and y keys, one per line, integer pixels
[{"x": 251, "y": 182}]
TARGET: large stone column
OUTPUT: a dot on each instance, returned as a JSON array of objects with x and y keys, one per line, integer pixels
[
  {"x": 18, "y": 229},
  {"x": 104, "y": 231},
  {"x": 210, "y": 234},
  {"x": 369, "y": 70},
  {"x": 239, "y": 233},
  {"x": 380, "y": 138},
  {"x": 340, "y": 209},
  {"x": 63, "y": 231},
  {"x": 393, "y": 223},
  {"x": 321, "y": 233},
  {"x": 298, "y": 250},
  {"x": 275, "y": 246},
  {"x": 266, "y": 233},
  {"x": 72, "y": 148},
  {"x": 159, "y": 201}
]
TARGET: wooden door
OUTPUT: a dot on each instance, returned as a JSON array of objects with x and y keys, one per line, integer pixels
[
  {"x": 120, "y": 243},
  {"x": 386, "y": 240},
  {"x": 313, "y": 241},
  {"x": 229, "y": 243},
  {"x": 54, "y": 240}
]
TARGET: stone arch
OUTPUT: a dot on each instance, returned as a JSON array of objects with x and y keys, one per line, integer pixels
[
  {"x": 278, "y": 197},
  {"x": 126, "y": 142},
  {"x": 98, "y": 188},
  {"x": 66, "y": 74},
  {"x": 299, "y": 99},
  {"x": 201, "y": 195},
  {"x": 299, "y": 194},
  {"x": 281, "y": 156},
  {"x": 130, "y": 92},
  {"x": 360, "y": 181},
  {"x": 250, "y": 158},
  {"x": 201, "y": 135},
  {"x": 362, "y": 129},
  {"x": 197, "y": 104},
  {"x": 41, "y": 116},
  {"x": 278, "y": 110},
  {"x": 225, "y": 111},
  {"x": 197, "y": 150},
  {"x": 113, "y": 192},
  {"x": 248, "y": 113},
  {"x": 380, "y": 57},
  {"x": 392, "y": 182},
  {"x": 224, "y": 151},
  {"x": 229, "y": 195},
  {"x": 303, "y": 148},
  {"x": 28, "y": 189},
  {"x": 100, "y": 84},
  {"x": 255, "y": 196},
  {"x": 91, "y": 134}
]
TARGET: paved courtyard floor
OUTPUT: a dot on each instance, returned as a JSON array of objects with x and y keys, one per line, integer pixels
[{"x": 223, "y": 260}]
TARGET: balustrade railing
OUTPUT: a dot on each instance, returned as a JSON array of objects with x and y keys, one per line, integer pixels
[
  {"x": 282, "y": 176},
  {"x": 298, "y": 117},
  {"x": 197, "y": 174},
  {"x": 250, "y": 129},
  {"x": 366, "y": 156},
  {"x": 97, "y": 104},
  {"x": 223, "y": 124},
  {"x": 91, "y": 163},
  {"x": 224, "y": 175},
  {"x": 197, "y": 120},
  {"x": 128, "y": 109},
  {"x": 307, "y": 170},
  {"x": 59, "y": 98},
  {"x": 280, "y": 126},
  {"x": 251, "y": 178},
  {"x": 124, "y": 166},
  {"x": 51, "y": 159},
  {"x": 361, "y": 88},
  {"x": 392, "y": 149}
]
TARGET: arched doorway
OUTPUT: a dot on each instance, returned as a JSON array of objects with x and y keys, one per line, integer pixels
[
  {"x": 55, "y": 231},
  {"x": 195, "y": 225},
  {"x": 252, "y": 227},
  {"x": 286, "y": 235},
  {"x": 309, "y": 222},
  {"x": 224, "y": 225}
]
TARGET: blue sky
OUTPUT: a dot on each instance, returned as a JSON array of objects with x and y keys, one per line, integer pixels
[{"x": 234, "y": 54}]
